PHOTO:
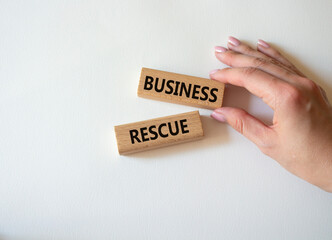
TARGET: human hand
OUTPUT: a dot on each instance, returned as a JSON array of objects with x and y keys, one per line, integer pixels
[{"x": 300, "y": 138}]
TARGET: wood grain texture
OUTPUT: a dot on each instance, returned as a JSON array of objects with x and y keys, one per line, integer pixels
[
  {"x": 158, "y": 132},
  {"x": 181, "y": 89}
]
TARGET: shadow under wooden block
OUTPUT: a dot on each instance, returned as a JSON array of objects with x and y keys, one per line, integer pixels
[{"x": 215, "y": 134}]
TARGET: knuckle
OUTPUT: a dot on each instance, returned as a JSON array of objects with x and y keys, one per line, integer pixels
[
  {"x": 293, "y": 96},
  {"x": 278, "y": 63},
  {"x": 283, "y": 65},
  {"x": 310, "y": 85},
  {"x": 275, "y": 62},
  {"x": 287, "y": 74},
  {"x": 246, "y": 49},
  {"x": 259, "y": 62},
  {"x": 291, "y": 92},
  {"x": 249, "y": 71},
  {"x": 239, "y": 124}
]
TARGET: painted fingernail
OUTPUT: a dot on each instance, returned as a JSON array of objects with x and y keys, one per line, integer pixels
[
  {"x": 234, "y": 41},
  {"x": 220, "y": 49},
  {"x": 216, "y": 114},
  {"x": 263, "y": 43},
  {"x": 213, "y": 71}
]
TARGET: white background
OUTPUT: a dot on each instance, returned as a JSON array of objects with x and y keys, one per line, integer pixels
[{"x": 69, "y": 72}]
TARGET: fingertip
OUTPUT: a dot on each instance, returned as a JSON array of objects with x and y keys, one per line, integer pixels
[
  {"x": 262, "y": 43},
  {"x": 211, "y": 73},
  {"x": 218, "y": 115},
  {"x": 219, "y": 75},
  {"x": 233, "y": 41},
  {"x": 219, "y": 49}
]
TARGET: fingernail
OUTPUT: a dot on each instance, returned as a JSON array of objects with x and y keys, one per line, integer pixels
[
  {"x": 220, "y": 49},
  {"x": 214, "y": 71},
  {"x": 234, "y": 41},
  {"x": 263, "y": 43},
  {"x": 216, "y": 114}
]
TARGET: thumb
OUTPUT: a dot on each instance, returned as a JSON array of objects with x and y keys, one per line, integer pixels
[{"x": 252, "y": 128}]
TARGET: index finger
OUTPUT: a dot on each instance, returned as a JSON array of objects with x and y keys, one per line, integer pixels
[{"x": 256, "y": 81}]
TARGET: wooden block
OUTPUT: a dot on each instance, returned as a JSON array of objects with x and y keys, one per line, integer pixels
[
  {"x": 158, "y": 132},
  {"x": 179, "y": 88}
]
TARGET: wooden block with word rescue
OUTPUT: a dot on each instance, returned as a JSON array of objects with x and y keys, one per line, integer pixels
[
  {"x": 179, "y": 88},
  {"x": 158, "y": 132}
]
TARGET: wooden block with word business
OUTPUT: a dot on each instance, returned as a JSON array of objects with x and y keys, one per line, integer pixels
[
  {"x": 179, "y": 88},
  {"x": 158, "y": 132}
]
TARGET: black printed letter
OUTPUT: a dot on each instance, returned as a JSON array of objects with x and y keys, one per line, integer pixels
[
  {"x": 134, "y": 135},
  {"x": 148, "y": 84}
]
